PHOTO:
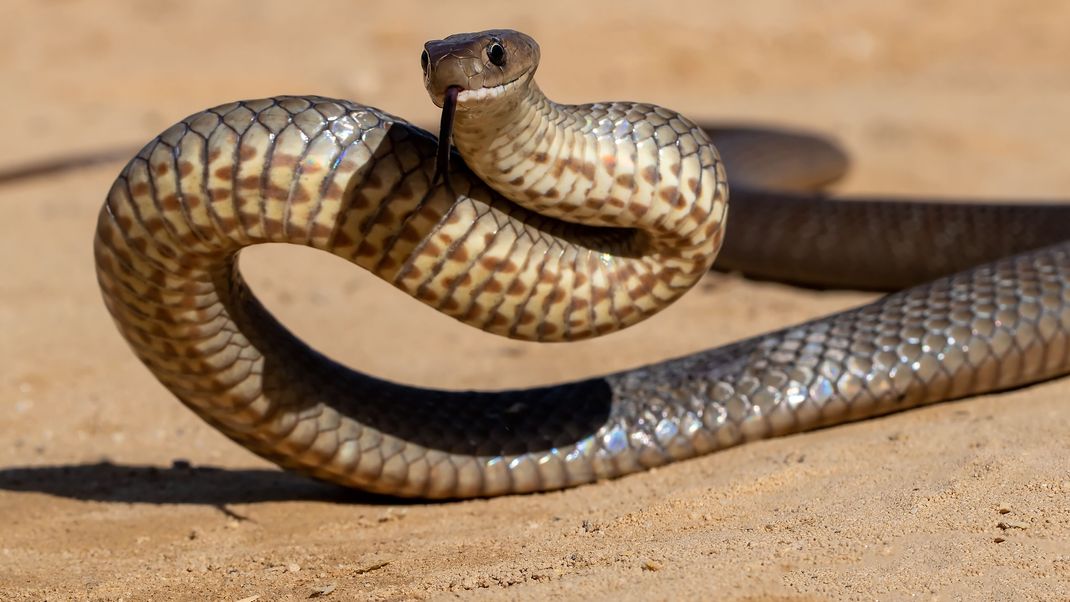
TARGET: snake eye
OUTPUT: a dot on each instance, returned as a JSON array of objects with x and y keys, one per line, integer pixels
[
  {"x": 496, "y": 54},
  {"x": 425, "y": 61}
]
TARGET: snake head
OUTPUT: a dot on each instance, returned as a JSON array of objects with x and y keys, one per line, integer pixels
[{"x": 484, "y": 65}]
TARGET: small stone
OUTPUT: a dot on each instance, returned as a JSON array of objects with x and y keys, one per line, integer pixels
[
  {"x": 391, "y": 516},
  {"x": 293, "y": 567},
  {"x": 371, "y": 567},
  {"x": 1011, "y": 525},
  {"x": 999, "y": 540},
  {"x": 651, "y": 565}
]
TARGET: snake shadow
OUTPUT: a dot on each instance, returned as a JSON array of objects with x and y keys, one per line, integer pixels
[{"x": 178, "y": 484}]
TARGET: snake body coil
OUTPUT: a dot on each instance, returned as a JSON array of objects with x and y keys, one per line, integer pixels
[{"x": 583, "y": 220}]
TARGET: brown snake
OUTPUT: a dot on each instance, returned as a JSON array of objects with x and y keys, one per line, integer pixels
[{"x": 561, "y": 222}]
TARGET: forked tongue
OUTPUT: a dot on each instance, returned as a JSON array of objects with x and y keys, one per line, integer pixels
[{"x": 445, "y": 132}]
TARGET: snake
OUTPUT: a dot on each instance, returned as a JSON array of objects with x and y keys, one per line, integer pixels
[{"x": 551, "y": 222}]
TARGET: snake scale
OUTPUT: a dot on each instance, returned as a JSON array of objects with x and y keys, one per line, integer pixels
[{"x": 552, "y": 222}]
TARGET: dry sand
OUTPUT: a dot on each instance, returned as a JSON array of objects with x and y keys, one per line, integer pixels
[{"x": 110, "y": 489}]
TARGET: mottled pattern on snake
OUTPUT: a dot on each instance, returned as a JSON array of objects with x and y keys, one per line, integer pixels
[{"x": 356, "y": 182}]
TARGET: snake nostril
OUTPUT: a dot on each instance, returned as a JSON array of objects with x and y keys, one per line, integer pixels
[{"x": 425, "y": 61}]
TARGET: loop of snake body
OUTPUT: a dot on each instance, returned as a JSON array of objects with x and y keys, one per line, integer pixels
[{"x": 561, "y": 222}]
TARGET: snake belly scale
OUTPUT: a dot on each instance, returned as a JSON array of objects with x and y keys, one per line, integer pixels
[{"x": 562, "y": 222}]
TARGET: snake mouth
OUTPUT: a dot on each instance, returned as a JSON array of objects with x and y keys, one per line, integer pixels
[
  {"x": 488, "y": 93},
  {"x": 469, "y": 97}
]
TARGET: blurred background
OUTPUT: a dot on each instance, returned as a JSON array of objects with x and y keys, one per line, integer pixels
[
  {"x": 930, "y": 97},
  {"x": 959, "y": 75}
]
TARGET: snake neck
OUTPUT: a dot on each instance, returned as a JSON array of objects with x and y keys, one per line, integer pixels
[{"x": 618, "y": 164}]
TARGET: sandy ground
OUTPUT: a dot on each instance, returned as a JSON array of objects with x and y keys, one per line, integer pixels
[{"x": 110, "y": 489}]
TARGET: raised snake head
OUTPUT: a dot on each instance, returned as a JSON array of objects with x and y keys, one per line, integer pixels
[{"x": 480, "y": 66}]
